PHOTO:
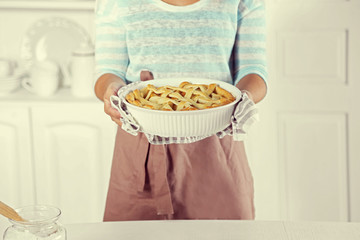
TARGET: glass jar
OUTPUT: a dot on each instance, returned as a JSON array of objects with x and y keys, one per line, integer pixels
[{"x": 41, "y": 224}]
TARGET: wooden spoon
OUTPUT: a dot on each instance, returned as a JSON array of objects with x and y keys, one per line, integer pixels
[{"x": 10, "y": 213}]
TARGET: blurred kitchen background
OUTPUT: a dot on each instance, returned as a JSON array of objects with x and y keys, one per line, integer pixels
[{"x": 56, "y": 143}]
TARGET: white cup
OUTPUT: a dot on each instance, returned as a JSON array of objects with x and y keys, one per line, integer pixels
[
  {"x": 6, "y": 67},
  {"x": 44, "y": 79}
]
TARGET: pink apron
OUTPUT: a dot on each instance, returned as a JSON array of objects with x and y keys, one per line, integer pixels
[{"x": 209, "y": 179}]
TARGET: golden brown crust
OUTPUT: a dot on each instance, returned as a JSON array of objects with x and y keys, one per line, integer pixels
[{"x": 185, "y": 97}]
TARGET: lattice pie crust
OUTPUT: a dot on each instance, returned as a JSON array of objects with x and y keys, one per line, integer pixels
[{"x": 185, "y": 97}]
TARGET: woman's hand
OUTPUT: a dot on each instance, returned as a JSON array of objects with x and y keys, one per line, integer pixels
[
  {"x": 254, "y": 86},
  {"x": 114, "y": 114},
  {"x": 107, "y": 85},
  {"x": 146, "y": 75}
]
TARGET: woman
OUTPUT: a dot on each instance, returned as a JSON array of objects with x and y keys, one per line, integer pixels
[{"x": 224, "y": 40}]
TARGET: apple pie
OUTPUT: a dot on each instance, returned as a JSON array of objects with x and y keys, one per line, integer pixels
[{"x": 185, "y": 97}]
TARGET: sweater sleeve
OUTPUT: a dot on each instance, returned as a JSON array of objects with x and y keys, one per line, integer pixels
[
  {"x": 249, "y": 55},
  {"x": 110, "y": 40}
]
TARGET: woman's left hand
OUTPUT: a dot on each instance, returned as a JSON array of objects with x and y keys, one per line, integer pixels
[{"x": 146, "y": 75}]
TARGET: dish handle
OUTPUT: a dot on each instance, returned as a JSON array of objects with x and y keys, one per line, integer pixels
[
  {"x": 64, "y": 68},
  {"x": 129, "y": 123},
  {"x": 27, "y": 85},
  {"x": 115, "y": 102}
]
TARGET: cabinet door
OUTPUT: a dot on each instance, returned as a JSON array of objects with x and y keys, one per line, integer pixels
[
  {"x": 305, "y": 151},
  {"x": 73, "y": 146},
  {"x": 16, "y": 173}
]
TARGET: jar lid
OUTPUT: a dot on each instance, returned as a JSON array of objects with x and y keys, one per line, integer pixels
[{"x": 84, "y": 49}]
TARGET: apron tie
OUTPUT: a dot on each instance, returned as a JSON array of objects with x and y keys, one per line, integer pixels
[
  {"x": 142, "y": 155},
  {"x": 160, "y": 189},
  {"x": 156, "y": 168}
]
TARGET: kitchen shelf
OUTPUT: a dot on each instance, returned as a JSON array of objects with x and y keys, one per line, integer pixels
[
  {"x": 87, "y": 5},
  {"x": 63, "y": 95}
]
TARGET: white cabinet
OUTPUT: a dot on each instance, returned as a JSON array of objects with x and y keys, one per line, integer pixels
[
  {"x": 72, "y": 149},
  {"x": 16, "y": 172},
  {"x": 57, "y": 153}
]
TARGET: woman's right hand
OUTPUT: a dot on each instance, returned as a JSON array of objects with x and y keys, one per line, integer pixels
[
  {"x": 114, "y": 114},
  {"x": 107, "y": 85}
]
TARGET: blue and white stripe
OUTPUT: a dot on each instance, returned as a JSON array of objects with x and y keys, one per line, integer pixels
[{"x": 220, "y": 39}]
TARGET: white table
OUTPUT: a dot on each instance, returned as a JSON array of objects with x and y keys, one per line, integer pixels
[{"x": 213, "y": 229}]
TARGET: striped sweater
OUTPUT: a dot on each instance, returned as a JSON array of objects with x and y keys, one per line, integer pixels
[{"x": 217, "y": 39}]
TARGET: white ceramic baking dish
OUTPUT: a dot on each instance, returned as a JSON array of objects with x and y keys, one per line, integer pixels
[{"x": 182, "y": 123}]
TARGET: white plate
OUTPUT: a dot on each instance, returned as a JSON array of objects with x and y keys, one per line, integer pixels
[
  {"x": 8, "y": 90},
  {"x": 52, "y": 39},
  {"x": 9, "y": 81},
  {"x": 9, "y": 85},
  {"x": 18, "y": 74}
]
